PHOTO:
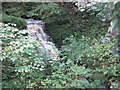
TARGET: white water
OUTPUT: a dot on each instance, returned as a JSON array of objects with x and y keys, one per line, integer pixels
[{"x": 36, "y": 32}]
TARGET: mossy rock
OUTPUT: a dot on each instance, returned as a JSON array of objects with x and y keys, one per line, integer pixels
[{"x": 20, "y": 23}]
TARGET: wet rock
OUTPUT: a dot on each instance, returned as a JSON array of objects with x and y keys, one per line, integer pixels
[{"x": 36, "y": 32}]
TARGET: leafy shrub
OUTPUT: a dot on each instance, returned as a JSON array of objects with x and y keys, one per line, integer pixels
[
  {"x": 95, "y": 56},
  {"x": 85, "y": 61},
  {"x": 23, "y": 64},
  {"x": 44, "y": 10},
  {"x": 18, "y": 9},
  {"x": 68, "y": 75},
  {"x": 21, "y": 23}
]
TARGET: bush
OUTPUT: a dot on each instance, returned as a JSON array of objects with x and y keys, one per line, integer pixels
[
  {"x": 83, "y": 64},
  {"x": 22, "y": 63},
  {"x": 21, "y": 23},
  {"x": 68, "y": 75},
  {"x": 95, "y": 56},
  {"x": 24, "y": 66}
]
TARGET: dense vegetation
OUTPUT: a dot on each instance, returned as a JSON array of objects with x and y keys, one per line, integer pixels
[
  {"x": 85, "y": 62},
  {"x": 19, "y": 22}
]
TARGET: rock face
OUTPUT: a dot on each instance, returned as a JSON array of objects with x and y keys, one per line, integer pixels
[
  {"x": 113, "y": 32},
  {"x": 36, "y": 32}
]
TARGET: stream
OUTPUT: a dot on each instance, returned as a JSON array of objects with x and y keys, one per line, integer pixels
[{"x": 36, "y": 33}]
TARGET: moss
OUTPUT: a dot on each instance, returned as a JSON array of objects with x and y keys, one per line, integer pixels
[{"x": 20, "y": 23}]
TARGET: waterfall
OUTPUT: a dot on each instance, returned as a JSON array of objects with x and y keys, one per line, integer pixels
[{"x": 36, "y": 33}]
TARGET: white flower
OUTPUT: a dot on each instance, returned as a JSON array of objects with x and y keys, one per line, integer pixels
[
  {"x": 14, "y": 25},
  {"x": 82, "y": 9},
  {"x": 90, "y": 4},
  {"x": 6, "y": 25}
]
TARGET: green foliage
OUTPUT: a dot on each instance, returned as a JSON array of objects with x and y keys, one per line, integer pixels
[
  {"x": 23, "y": 64},
  {"x": 98, "y": 9},
  {"x": 20, "y": 23},
  {"x": 68, "y": 75},
  {"x": 44, "y": 10},
  {"x": 14, "y": 12},
  {"x": 61, "y": 20},
  {"x": 85, "y": 62},
  {"x": 31, "y": 9},
  {"x": 93, "y": 55},
  {"x": 18, "y": 9},
  {"x": 83, "y": 23}
]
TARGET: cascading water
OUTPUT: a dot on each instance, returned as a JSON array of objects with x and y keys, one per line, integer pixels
[{"x": 36, "y": 33}]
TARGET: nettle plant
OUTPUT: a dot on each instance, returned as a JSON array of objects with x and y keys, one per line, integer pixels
[
  {"x": 22, "y": 63},
  {"x": 95, "y": 57}
]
